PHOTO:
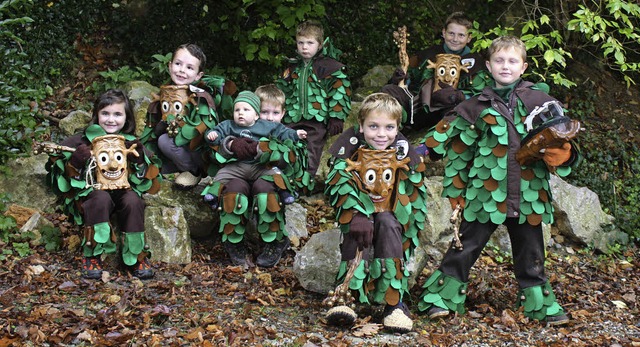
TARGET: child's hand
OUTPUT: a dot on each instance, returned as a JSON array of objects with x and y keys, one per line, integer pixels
[
  {"x": 361, "y": 229},
  {"x": 334, "y": 127},
  {"x": 302, "y": 134},
  {"x": 212, "y": 136},
  {"x": 556, "y": 156},
  {"x": 80, "y": 156},
  {"x": 137, "y": 155}
]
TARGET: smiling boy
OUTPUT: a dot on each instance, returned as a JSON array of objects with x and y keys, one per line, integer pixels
[
  {"x": 480, "y": 139},
  {"x": 376, "y": 186}
]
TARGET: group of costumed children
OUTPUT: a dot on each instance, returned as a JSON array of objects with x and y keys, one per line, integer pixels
[{"x": 269, "y": 149}]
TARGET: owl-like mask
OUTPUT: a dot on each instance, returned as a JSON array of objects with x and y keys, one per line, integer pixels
[
  {"x": 173, "y": 101},
  {"x": 376, "y": 171},
  {"x": 447, "y": 69},
  {"x": 110, "y": 153}
]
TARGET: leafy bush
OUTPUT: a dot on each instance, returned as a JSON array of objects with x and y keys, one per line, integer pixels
[{"x": 17, "y": 95}]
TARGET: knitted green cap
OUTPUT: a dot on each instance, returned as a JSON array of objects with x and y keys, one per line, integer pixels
[{"x": 250, "y": 98}]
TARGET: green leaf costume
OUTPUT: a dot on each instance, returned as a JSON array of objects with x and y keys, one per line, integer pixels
[
  {"x": 318, "y": 90},
  {"x": 210, "y": 101},
  {"x": 73, "y": 188},
  {"x": 381, "y": 279},
  {"x": 479, "y": 140}
]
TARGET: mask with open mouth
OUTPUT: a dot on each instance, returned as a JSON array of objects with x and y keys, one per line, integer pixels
[
  {"x": 376, "y": 173},
  {"x": 110, "y": 153}
]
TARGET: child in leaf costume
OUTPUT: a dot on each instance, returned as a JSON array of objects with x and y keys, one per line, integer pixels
[
  {"x": 318, "y": 93},
  {"x": 178, "y": 118},
  {"x": 239, "y": 142},
  {"x": 429, "y": 96},
  {"x": 376, "y": 185},
  {"x": 480, "y": 139},
  {"x": 132, "y": 171}
]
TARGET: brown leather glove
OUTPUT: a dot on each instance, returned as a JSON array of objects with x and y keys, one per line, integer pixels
[
  {"x": 557, "y": 156},
  {"x": 80, "y": 156},
  {"x": 244, "y": 148},
  {"x": 335, "y": 126},
  {"x": 446, "y": 96},
  {"x": 398, "y": 76},
  {"x": 361, "y": 229},
  {"x": 456, "y": 201},
  {"x": 131, "y": 158}
]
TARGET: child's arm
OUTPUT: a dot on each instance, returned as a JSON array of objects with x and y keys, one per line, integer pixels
[{"x": 302, "y": 134}]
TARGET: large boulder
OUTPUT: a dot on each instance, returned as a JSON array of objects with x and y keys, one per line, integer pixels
[
  {"x": 74, "y": 122},
  {"x": 579, "y": 216},
  {"x": 24, "y": 183},
  {"x": 316, "y": 264},
  {"x": 140, "y": 94}
]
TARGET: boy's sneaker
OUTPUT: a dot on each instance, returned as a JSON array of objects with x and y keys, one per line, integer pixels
[
  {"x": 92, "y": 267},
  {"x": 342, "y": 316},
  {"x": 211, "y": 200},
  {"x": 286, "y": 197},
  {"x": 560, "y": 319},
  {"x": 396, "y": 318},
  {"x": 435, "y": 312},
  {"x": 142, "y": 269},
  {"x": 186, "y": 180},
  {"x": 237, "y": 252},
  {"x": 272, "y": 252}
]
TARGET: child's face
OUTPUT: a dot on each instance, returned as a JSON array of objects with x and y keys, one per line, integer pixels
[
  {"x": 112, "y": 118},
  {"x": 308, "y": 47},
  {"x": 506, "y": 66},
  {"x": 184, "y": 68},
  {"x": 456, "y": 36},
  {"x": 244, "y": 115},
  {"x": 271, "y": 112},
  {"x": 379, "y": 129}
]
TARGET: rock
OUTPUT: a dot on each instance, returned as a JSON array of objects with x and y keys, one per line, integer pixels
[
  {"x": 24, "y": 183},
  {"x": 296, "y": 223},
  {"x": 200, "y": 220},
  {"x": 140, "y": 94},
  {"x": 316, "y": 264},
  {"x": 579, "y": 216},
  {"x": 167, "y": 234},
  {"x": 74, "y": 122}
]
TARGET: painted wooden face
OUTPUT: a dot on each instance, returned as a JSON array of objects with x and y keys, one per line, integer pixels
[
  {"x": 110, "y": 153},
  {"x": 173, "y": 101},
  {"x": 447, "y": 69},
  {"x": 376, "y": 171}
]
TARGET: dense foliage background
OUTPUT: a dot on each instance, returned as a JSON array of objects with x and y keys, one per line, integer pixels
[{"x": 74, "y": 49}]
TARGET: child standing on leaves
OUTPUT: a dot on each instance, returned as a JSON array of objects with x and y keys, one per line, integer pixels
[
  {"x": 376, "y": 185},
  {"x": 318, "y": 92},
  {"x": 246, "y": 176},
  {"x": 92, "y": 206},
  {"x": 480, "y": 139}
]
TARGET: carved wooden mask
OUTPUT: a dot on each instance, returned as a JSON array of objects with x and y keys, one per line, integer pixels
[
  {"x": 111, "y": 153},
  {"x": 376, "y": 171},
  {"x": 447, "y": 69},
  {"x": 173, "y": 101}
]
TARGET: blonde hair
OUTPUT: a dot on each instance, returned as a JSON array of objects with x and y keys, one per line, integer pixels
[
  {"x": 311, "y": 28},
  {"x": 504, "y": 42},
  {"x": 381, "y": 102},
  {"x": 271, "y": 94}
]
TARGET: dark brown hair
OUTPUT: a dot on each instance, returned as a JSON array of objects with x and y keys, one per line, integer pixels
[{"x": 115, "y": 96}]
